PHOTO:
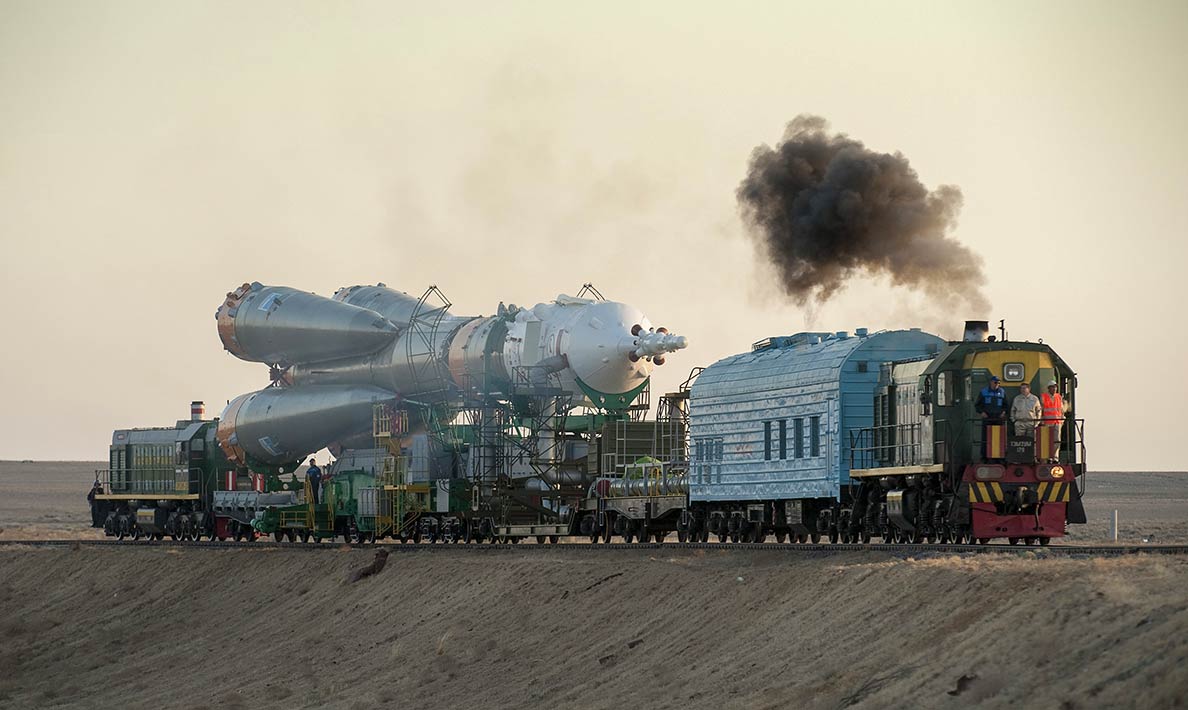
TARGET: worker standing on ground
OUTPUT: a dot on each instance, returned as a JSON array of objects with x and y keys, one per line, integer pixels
[
  {"x": 991, "y": 404},
  {"x": 1025, "y": 411},
  {"x": 1053, "y": 405},
  {"x": 314, "y": 475}
]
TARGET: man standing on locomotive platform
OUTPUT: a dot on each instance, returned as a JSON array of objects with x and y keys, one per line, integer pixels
[
  {"x": 991, "y": 404},
  {"x": 1053, "y": 406},
  {"x": 1025, "y": 411},
  {"x": 314, "y": 475}
]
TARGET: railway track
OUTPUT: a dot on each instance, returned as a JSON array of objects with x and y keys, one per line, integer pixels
[{"x": 1052, "y": 550}]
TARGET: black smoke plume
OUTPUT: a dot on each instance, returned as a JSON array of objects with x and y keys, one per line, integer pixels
[{"x": 823, "y": 208}]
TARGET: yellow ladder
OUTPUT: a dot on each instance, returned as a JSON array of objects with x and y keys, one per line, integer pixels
[{"x": 388, "y": 426}]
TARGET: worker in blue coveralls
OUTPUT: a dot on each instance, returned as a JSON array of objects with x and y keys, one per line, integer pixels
[
  {"x": 991, "y": 405},
  {"x": 314, "y": 475}
]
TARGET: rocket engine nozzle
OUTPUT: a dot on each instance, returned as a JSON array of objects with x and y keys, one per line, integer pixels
[{"x": 656, "y": 343}]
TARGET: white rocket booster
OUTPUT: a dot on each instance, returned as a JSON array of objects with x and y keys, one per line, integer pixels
[{"x": 372, "y": 344}]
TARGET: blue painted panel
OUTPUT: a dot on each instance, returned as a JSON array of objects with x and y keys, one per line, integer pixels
[{"x": 796, "y": 377}]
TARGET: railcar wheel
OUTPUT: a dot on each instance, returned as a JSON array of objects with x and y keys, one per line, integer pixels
[
  {"x": 278, "y": 536},
  {"x": 815, "y": 538},
  {"x": 1015, "y": 540},
  {"x": 682, "y": 535},
  {"x": 983, "y": 540},
  {"x": 540, "y": 539},
  {"x": 1031, "y": 540},
  {"x": 722, "y": 537},
  {"x": 660, "y": 536},
  {"x": 629, "y": 535},
  {"x": 608, "y": 533},
  {"x": 554, "y": 539},
  {"x": 781, "y": 537},
  {"x": 135, "y": 533},
  {"x": 889, "y": 536},
  {"x": 305, "y": 536},
  {"x": 1044, "y": 541}
]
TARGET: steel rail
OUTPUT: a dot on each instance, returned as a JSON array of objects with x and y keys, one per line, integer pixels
[{"x": 916, "y": 549}]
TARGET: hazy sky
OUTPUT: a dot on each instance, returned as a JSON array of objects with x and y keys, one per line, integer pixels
[{"x": 155, "y": 155}]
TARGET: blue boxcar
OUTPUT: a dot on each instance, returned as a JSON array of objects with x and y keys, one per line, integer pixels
[{"x": 773, "y": 423}]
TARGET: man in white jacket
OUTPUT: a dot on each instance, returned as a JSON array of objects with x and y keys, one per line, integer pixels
[{"x": 1025, "y": 411}]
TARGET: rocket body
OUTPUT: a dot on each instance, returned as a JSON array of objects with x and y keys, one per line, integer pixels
[{"x": 371, "y": 344}]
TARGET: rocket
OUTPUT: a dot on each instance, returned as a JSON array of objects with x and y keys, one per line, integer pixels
[{"x": 334, "y": 359}]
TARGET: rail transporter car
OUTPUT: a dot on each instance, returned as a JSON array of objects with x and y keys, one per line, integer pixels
[{"x": 846, "y": 437}]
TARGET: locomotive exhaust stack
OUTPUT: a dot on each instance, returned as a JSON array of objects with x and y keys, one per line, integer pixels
[{"x": 976, "y": 331}]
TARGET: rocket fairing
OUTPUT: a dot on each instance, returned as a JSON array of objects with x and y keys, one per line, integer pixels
[
  {"x": 284, "y": 326},
  {"x": 370, "y": 344}
]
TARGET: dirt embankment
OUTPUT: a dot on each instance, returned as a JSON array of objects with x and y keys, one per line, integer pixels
[{"x": 140, "y": 627}]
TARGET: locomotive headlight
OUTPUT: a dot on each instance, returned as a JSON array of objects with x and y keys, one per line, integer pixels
[
  {"x": 988, "y": 473},
  {"x": 1013, "y": 372},
  {"x": 1050, "y": 473}
]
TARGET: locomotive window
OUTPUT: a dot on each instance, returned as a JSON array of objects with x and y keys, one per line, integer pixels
[
  {"x": 783, "y": 439},
  {"x": 798, "y": 438},
  {"x": 1013, "y": 372},
  {"x": 861, "y": 366},
  {"x": 943, "y": 388},
  {"x": 198, "y": 445},
  {"x": 814, "y": 436}
]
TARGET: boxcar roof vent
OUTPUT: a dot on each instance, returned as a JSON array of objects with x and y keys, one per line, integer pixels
[
  {"x": 861, "y": 332},
  {"x": 976, "y": 331},
  {"x": 842, "y": 334}
]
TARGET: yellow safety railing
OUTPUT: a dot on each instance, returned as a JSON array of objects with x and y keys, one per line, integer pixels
[{"x": 302, "y": 517}]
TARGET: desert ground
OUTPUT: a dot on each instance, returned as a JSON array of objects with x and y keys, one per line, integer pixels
[
  {"x": 158, "y": 627},
  {"x": 153, "y": 627}
]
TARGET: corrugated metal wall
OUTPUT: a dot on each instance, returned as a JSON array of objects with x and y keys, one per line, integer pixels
[{"x": 738, "y": 402}]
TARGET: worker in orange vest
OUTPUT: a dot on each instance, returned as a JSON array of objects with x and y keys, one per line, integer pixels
[{"x": 1053, "y": 406}]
